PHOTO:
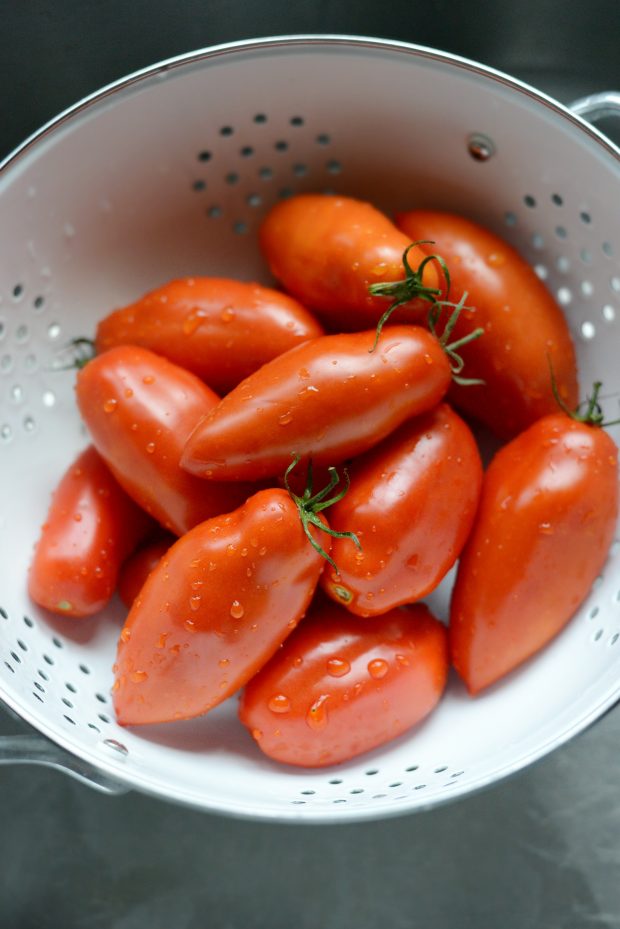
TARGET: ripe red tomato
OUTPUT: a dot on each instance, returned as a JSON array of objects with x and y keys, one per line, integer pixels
[
  {"x": 217, "y": 606},
  {"x": 329, "y": 399},
  {"x": 139, "y": 565},
  {"x": 139, "y": 409},
  {"x": 411, "y": 504},
  {"x": 524, "y": 328},
  {"x": 219, "y": 329},
  {"x": 327, "y": 251},
  {"x": 546, "y": 520},
  {"x": 339, "y": 687},
  {"x": 91, "y": 526}
]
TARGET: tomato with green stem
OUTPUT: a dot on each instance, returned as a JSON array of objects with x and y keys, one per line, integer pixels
[
  {"x": 521, "y": 321},
  {"x": 217, "y": 606},
  {"x": 140, "y": 409},
  {"x": 411, "y": 505},
  {"x": 91, "y": 527},
  {"x": 338, "y": 687},
  {"x": 219, "y": 329},
  {"x": 546, "y": 519},
  {"x": 329, "y": 399},
  {"x": 327, "y": 250}
]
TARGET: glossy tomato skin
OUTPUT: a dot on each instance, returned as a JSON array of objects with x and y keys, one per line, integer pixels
[
  {"x": 91, "y": 526},
  {"x": 219, "y": 329},
  {"x": 338, "y": 687},
  {"x": 329, "y": 399},
  {"x": 523, "y": 326},
  {"x": 214, "y": 610},
  {"x": 327, "y": 250},
  {"x": 138, "y": 566},
  {"x": 139, "y": 409},
  {"x": 546, "y": 519},
  {"x": 411, "y": 503}
]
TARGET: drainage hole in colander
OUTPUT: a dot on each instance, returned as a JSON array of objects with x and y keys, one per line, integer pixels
[
  {"x": 4, "y": 614},
  {"x": 71, "y": 688},
  {"x": 281, "y": 145},
  {"x": 587, "y": 330},
  {"x": 6, "y": 363},
  {"x": 542, "y": 272},
  {"x": 92, "y": 726},
  {"x": 39, "y": 687},
  {"x": 593, "y": 612},
  {"x": 69, "y": 720},
  {"x": 615, "y": 284},
  {"x": 22, "y": 645},
  {"x": 598, "y": 635},
  {"x": 296, "y": 120},
  {"x": 334, "y": 167},
  {"x": 537, "y": 241},
  {"x": 587, "y": 288},
  {"x": 16, "y": 657},
  {"x": 585, "y": 256},
  {"x": 240, "y": 228},
  {"x": 335, "y": 780},
  {"x": 357, "y": 790},
  {"x": 510, "y": 219},
  {"x": 413, "y": 767},
  {"x": 308, "y": 793},
  {"x": 101, "y": 698},
  {"x": 214, "y": 212},
  {"x": 557, "y": 199},
  {"x": 563, "y": 264},
  {"x": 226, "y": 130},
  {"x": 42, "y": 675},
  {"x": 419, "y": 786},
  {"x": 265, "y": 174},
  {"x": 116, "y": 747},
  {"x": 7, "y": 665},
  {"x": 254, "y": 200},
  {"x": 30, "y": 363},
  {"x": 232, "y": 177},
  {"x": 67, "y": 703},
  {"x": 38, "y": 302},
  {"x": 300, "y": 170},
  {"x": 564, "y": 296},
  {"x": 339, "y": 800},
  {"x": 298, "y": 802},
  {"x": 2, "y": 329},
  {"x": 614, "y": 638},
  {"x": 17, "y": 393},
  {"x": 84, "y": 669},
  {"x": 246, "y": 152},
  {"x": 260, "y": 118},
  {"x": 57, "y": 642},
  {"x": 103, "y": 718},
  {"x": 18, "y": 290},
  {"x": 371, "y": 772},
  {"x": 441, "y": 769},
  {"x": 609, "y": 313},
  {"x": 27, "y": 621},
  {"x": 529, "y": 201},
  {"x": 28, "y": 424},
  {"x": 48, "y": 660},
  {"x": 48, "y": 397},
  {"x": 585, "y": 217},
  {"x": 607, "y": 249},
  {"x": 561, "y": 232},
  {"x": 204, "y": 156},
  {"x": 6, "y": 432},
  {"x": 396, "y": 784},
  {"x": 323, "y": 139},
  {"x": 38, "y": 697},
  {"x": 53, "y": 330},
  {"x": 199, "y": 185},
  {"x": 21, "y": 334},
  {"x": 285, "y": 193}
]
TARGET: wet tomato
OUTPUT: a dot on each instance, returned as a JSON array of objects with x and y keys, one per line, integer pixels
[
  {"x": 330, "y": 399},
  {"x": 339, "y": 687},
  {"x": 524, "y": 329},
  {"x": 545, "y": 523},
  {"x": 219, "y": 329},
  {"x": 411, "y": 504},
  {"x": 139, "y": 565},
  {"x": 91, "y": 527},
  {"x": 140, "y": 409},
  {"x": 327, "y": 250},
  {"x": 214, "y": 610}
]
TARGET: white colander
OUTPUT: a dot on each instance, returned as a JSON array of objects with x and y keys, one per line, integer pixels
[{"x": 169, "y": 173}]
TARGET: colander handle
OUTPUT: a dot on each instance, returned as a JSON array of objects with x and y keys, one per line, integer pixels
[
  {"x": 36, "y": 749},
  {"x": 598, "y": 106}
]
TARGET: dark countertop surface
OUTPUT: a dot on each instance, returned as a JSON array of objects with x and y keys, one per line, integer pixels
[{"x": 540, "y": 850}]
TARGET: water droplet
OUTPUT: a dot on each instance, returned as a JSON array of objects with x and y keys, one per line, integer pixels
[
  {"x": 262, "y": 550},
  {"x": 98, "y": 572},
  {"x": 378, "y": 668},
  {"x": 297, "y": 662},
  {"x": 231, "y": 549},
  {"x": 236, "y": 610},
  {"x": 257, "y": 734},
  {"x": 161, "y": 642},
  {"x": 223, "y": 662},
  {"x": 109, "y": 406},
  {"x": 402, "y": 661},
  {"x": 227, "y": 314},
  {"x": 148, "y": 379},
  {"x": 316, "y": 717},
  {"x": 338, "y": 667},
  {"x": 285, "y": 418},
  {"x": 545, "y": 528},
  {"x": 279, "y": 703},
  {"x": 138, "y": 677},
  {"x": 190, "y": 625},
  {"x": 194, "y": 602},
  {"x": 77, "y": 517},
  {"x": 128, "y": 392},
  {"x": 192, "y": 322},
  {"x": 150, "y": 448},
  {"x": 496, "y": 259}
]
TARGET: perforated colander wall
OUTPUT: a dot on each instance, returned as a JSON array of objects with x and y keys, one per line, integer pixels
[{"x": 172, "y": 176}]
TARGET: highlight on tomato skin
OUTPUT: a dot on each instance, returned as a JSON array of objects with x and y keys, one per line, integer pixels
[
  {"x": 546, "y": 520},
  {"x": 411, "y": 503},
  {"x": 339, "y": 687},
  {"x": 327, "y": 250},
  {"x": 90, "y": 528},
  {"x": 218, "y": 328},
  {"x": 524, "y": 328},
  {"x": 214, "y": 610}
]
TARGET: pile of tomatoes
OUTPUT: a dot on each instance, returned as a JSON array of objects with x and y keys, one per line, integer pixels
[{"x": 280, "y": 535}]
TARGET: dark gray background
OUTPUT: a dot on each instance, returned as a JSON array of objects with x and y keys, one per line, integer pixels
[{"x": 542, "y": 850}]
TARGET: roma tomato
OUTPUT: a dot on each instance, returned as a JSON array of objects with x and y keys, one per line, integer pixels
[
  {"x": 329, "y": 399},
  {"x": 546, "y": 520},
  {"x": 219, "y": 329},
  {"x": 217, "y": 606},
  {"x": 139, "y": 565},
  {"x": 339, "y": 687},
  {"x": 140, "y": 409},
  {"x": 523, "y": 327},
  {"x": 327, "y": 250},
  {"x": 91, "y": 526},
  {"x": 411, "y": 503}
]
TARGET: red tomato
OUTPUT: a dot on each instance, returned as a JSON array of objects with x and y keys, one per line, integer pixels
[
  {"x": 523, "y": 326},
  {"x": 329, "y": 398},
  {"x": 546, "y": 520},
  {"x": 327, "y": 251},
  {"x": 91, "y": 526},
  {"x": 140, "y": 409},
  {"x": 214, "y": 610},
  {"x": 219, "y": 329},
  {"x": 411, "y": 504},
  {"x": 339, "y": 687},
  {"x": 139, "y": 565}
]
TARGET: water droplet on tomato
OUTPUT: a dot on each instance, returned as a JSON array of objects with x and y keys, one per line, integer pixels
[
  {"x": 231, "y": 549},
  {"x": 297, "y": 662},
  {"x": 316, "y": 717},
  {"x": 150, "y": 448},
  {"x": 128, "y": 392},
  {"x": 279, "y": 703},
  {"x": 227, "y": 314},
  {"x": 236, "y": 609},
  {"x": 98, "y": 571},
  {"x": 148, "y": 379},
  {"x": 402, "y": 661},
  {"x": 378, "y": 668},
  {"x": 223, "y": 662},
  {"x": 285, "y": 418},
  {"x": 196, "y": 585},
  {"x": 194, "y": 602},
  {"x": 338, "y": 667},
  {"x": 257, "y": 734},
  {"x": 496, "y": 259},
  {"x": 161, "y": 642},
  {"x": 77, "y": 517},
  {"x": 190, "y": 625},
  {"x": 262, "y": 550},
  {"x": 110, "y": 405},
  {"x": 545, "y": 528},
  {"x": 138, "y": 677}
]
